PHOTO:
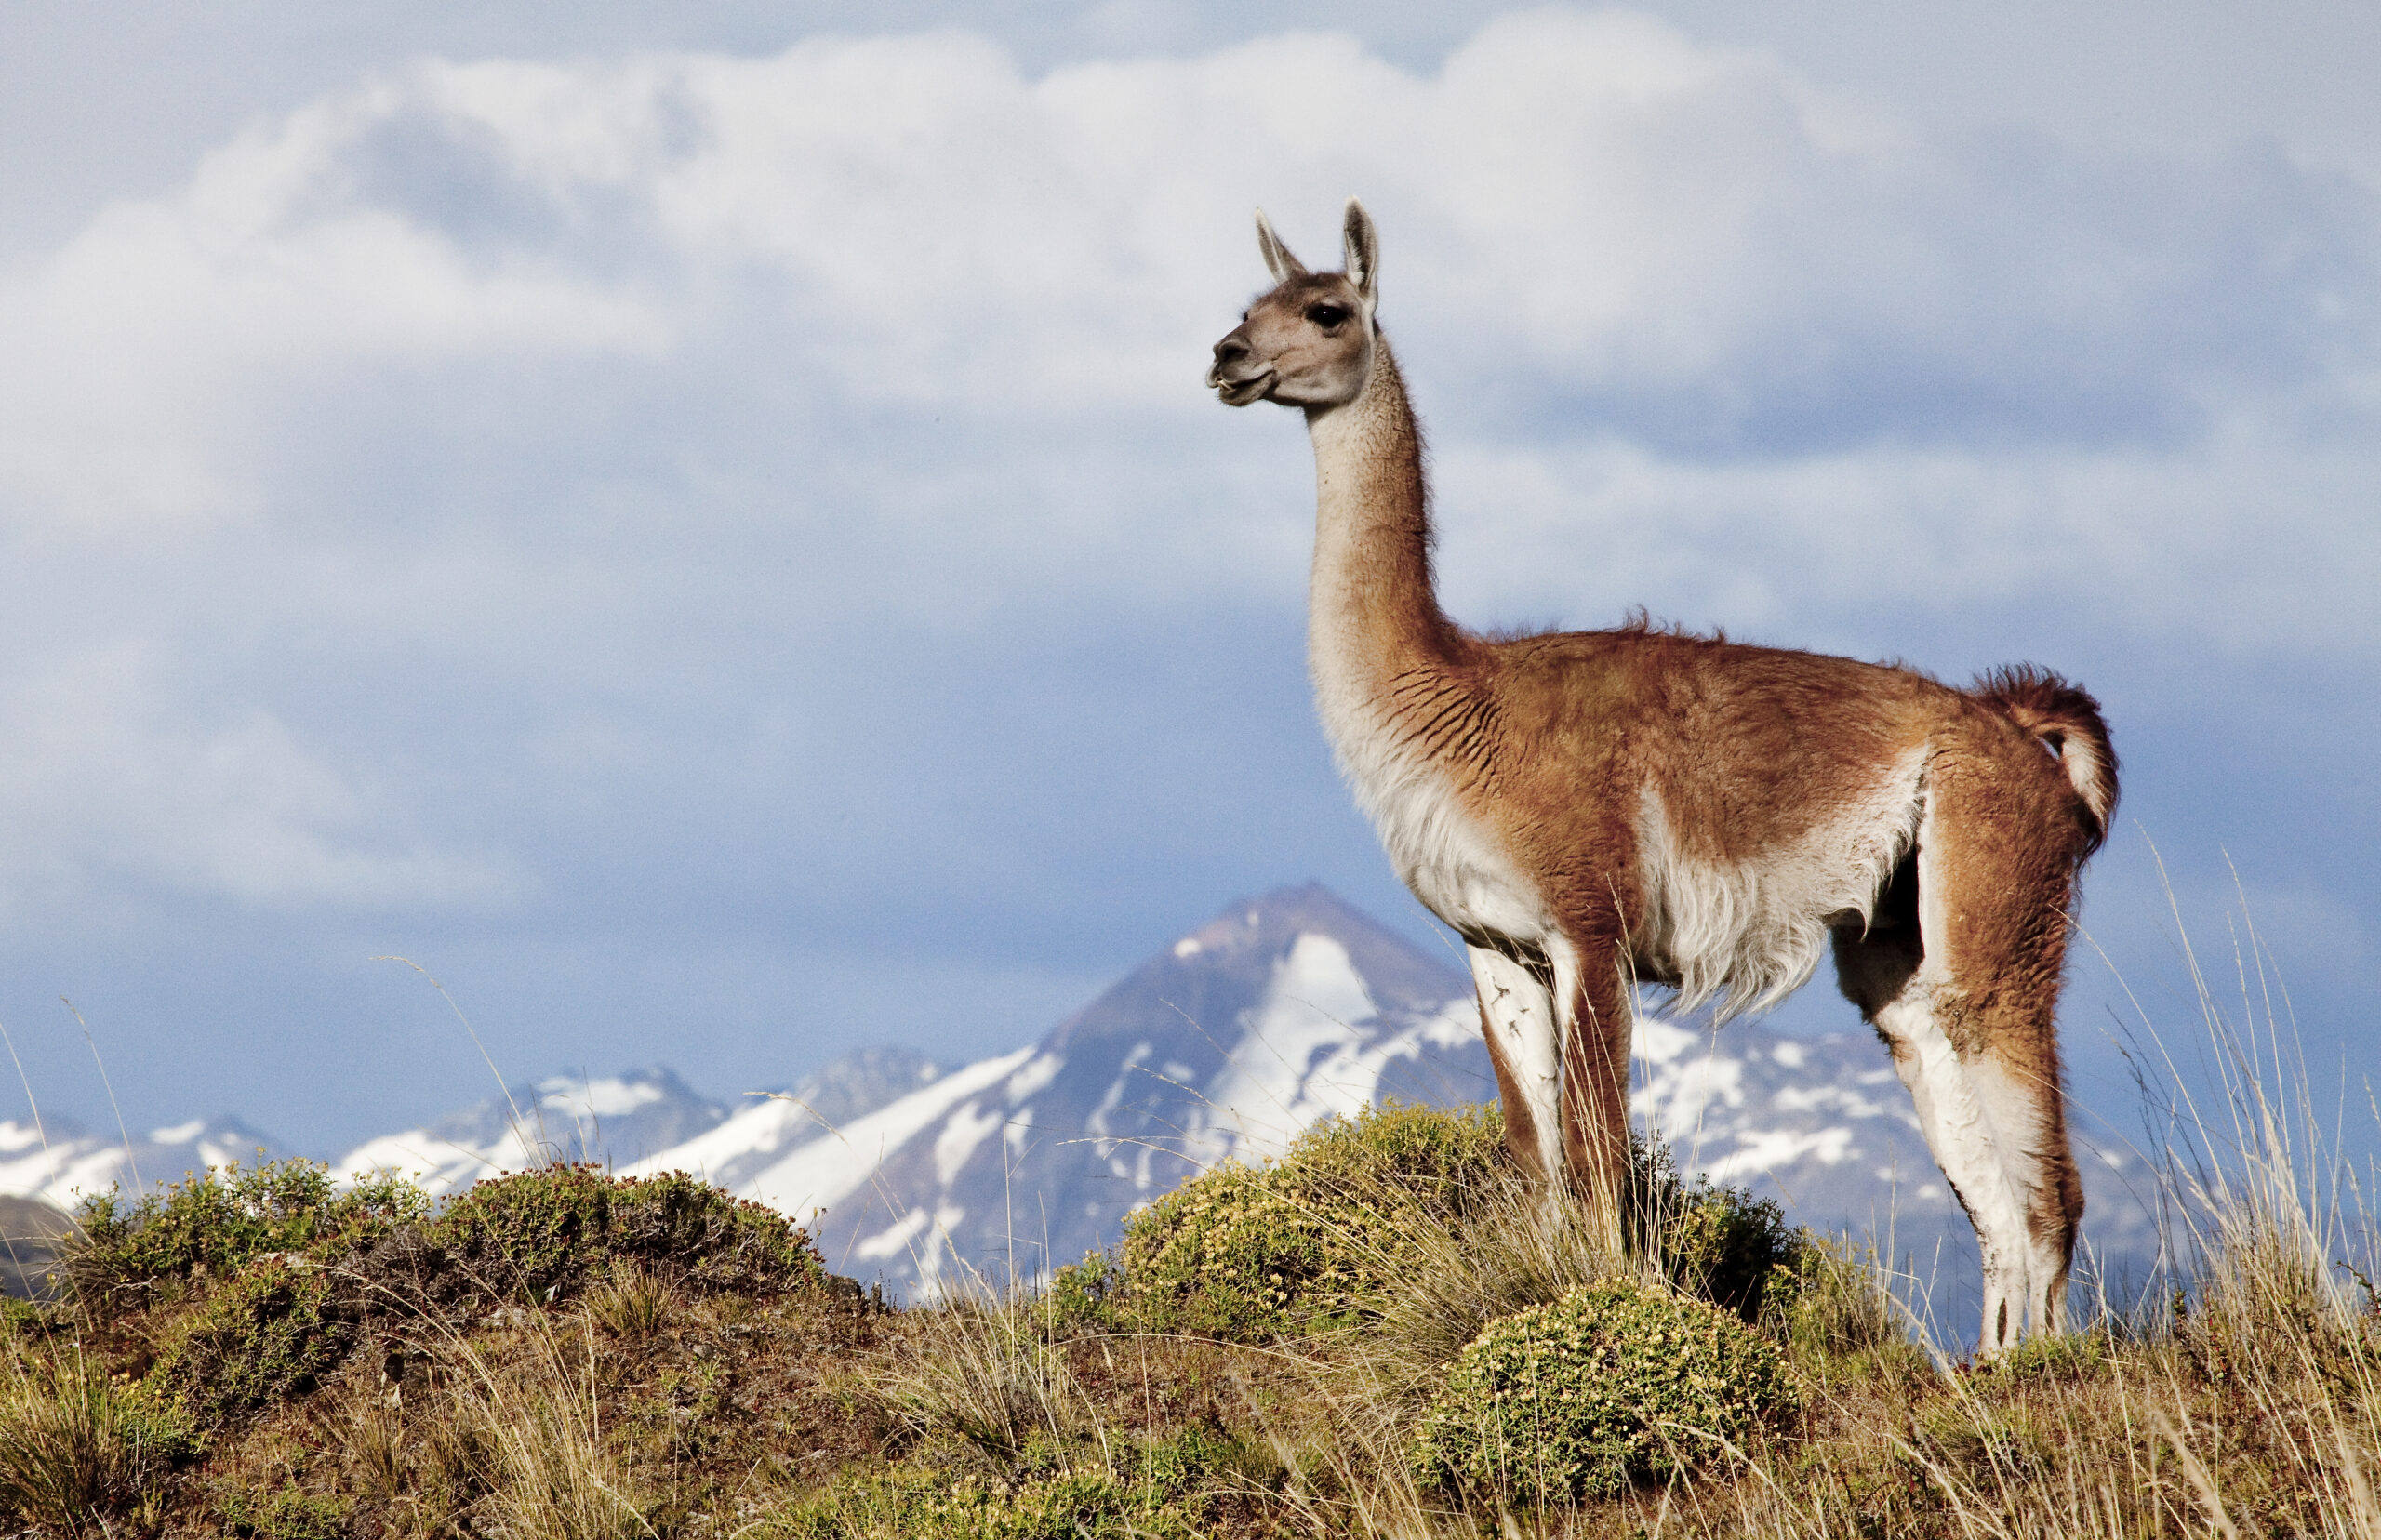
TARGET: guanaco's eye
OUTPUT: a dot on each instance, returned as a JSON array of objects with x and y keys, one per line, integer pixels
[{"x": 1326, "y": 316}]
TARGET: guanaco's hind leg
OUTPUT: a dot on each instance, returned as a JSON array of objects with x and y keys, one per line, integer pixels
[
  {"x": 1524, "y": 1043},
  {"x": 1596, "y": 1023},
  {"x": 1960, "y": 974}
]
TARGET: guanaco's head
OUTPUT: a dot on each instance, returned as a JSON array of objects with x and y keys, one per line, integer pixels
[{"x": 1310, "y": 341}]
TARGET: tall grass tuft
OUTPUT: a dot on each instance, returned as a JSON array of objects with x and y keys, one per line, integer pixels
[
  {"x": 988, "y": 1364},
  {"x": 633, "y": 1301},
  {"x": 78, "y": 1449},
  {"x": 528, "y": 1432}
]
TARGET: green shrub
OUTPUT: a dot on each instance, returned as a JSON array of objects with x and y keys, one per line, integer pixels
[
  {"x": 21, "y": 1319},
  {"x": 546, "y": 1234},
  {"x": 916, "y": 1505},
  {"x": 1608, "y": 1385},
  {"x": 2072, "y": 1356},
  {"x": 1234, "y": 1255},
  {"x": 290, "y": 1513},
  {"x": 1718, "y": 1243},
  {"x": 1087, "y": 1294},
  {"x": 1247, "y": 1253},
  {"x": 212, "y": 1223},
  {"x": 1311, "y": 1240},
  {"x": 272, "y": 1332},
  {"x": 535, "y": 1233},
  {"x": 1163, "y": 1491},
  {"x": 724, "y": 1244}
]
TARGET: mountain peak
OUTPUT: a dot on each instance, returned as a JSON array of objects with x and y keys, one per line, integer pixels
[{"x": 1210, "y": 973}]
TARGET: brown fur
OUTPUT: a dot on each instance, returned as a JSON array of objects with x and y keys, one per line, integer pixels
[{"x": 1554, "y": 746}]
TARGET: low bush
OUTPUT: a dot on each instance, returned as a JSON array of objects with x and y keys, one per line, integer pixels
[
  {"x": 1165, "y": 1490},
  {"x": 1246, "y": 1253},
  {"x": 212, "y": 1223},
  {"x": 22, "y": 1319},
  {"x": 1236, "y": 1255},
  {"x": 1314, "y": 1240},
  {"x": 1087, "y": 1296},
  {"x": 907, "y": 1505},
  {"x": 535, "y": 1234},
  {"x": 1607, "y": 1385},
  {"x": 1718, "y": 1243},
  {"x": 543, "y": 1235},
  {"x": 272, "y": 1332},
  {"x": 288, "y": 1513},
  {"x": 2072, "y": 1358},
  {"x": 714, "y": 1244}
]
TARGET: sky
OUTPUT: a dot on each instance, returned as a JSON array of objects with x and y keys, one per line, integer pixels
[{"x": 699, "y": 525}]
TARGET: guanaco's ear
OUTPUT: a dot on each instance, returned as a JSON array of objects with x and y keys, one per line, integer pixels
[
  {"x": 1277, "y": 260},
  {"x": 1362, "y": 248}
]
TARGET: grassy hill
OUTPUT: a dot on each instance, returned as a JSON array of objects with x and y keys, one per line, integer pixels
[{"x": 1383, "y": 1333}]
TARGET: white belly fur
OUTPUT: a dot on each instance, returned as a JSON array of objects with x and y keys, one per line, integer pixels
[{"x": 1750, "y": 934}]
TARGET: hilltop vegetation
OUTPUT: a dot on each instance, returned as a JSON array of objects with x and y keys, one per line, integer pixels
[{"x": 1381, "y": 1332}]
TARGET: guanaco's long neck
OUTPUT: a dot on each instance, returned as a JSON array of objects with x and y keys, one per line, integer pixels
[{"x": 1372, "y": 616}]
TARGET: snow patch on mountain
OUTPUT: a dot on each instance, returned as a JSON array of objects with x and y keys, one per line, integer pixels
[
  {"x": 780, "y": 1153},
  {"x": 620, "y": 1121},
  {"x": 62, "y": 1163},
  {"x": 604, "y": 1119}
]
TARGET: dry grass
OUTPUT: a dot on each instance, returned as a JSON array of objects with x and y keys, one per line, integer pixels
[
  {"x": 633, "y": 1302},
  {"x": 529, "y": 1433},
  {"x": 2244, "y": 1398},
  {"x": 991, "y": 1366},
  {"x": 2253, "y": 1415},
  {"x": 78, "y": 1449},
  {"x": 366, "y": 1424}
]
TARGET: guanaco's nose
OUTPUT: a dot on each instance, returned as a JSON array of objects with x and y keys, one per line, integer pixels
[{"x": 1230, "y": 351}]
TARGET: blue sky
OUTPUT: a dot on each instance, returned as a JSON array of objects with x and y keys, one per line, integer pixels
[{"x": 704, "y": 531}]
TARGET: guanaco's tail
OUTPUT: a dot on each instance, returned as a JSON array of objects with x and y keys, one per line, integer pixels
[{"x": 2068, "y": 722}]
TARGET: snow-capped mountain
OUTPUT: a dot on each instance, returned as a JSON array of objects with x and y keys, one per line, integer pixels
[
  {"x": 31, "y": 1232},
  {"x": 1246, "y": 1032},
  {"x": 1229, "y": 1043},
  {"x": 1232, "y": 1042},
  {"x": 614, "y": 1121},
  {"x": 62, "y": 1163}
]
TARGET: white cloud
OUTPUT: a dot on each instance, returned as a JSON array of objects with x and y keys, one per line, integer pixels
[
  {"x": 143, "y": 353},
  {"x": 107, "y": 781},
  {"x": 1595, "y": 226},
  {"x": 2250, "y": 541},
  {"x": 578, "y": 387}
]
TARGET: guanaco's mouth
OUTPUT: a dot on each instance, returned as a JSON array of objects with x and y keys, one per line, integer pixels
[{"x": 1240, "y": 392}]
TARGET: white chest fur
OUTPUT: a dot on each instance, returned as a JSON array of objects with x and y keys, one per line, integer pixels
[{"x": 1452, "y": 864}]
